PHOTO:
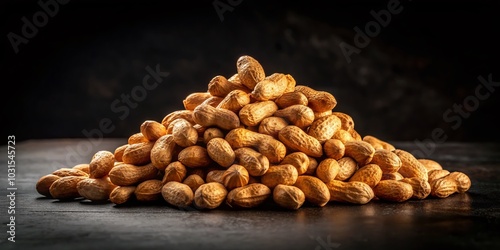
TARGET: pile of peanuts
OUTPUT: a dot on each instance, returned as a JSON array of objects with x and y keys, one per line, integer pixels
[{"x": 250, "y": 138}]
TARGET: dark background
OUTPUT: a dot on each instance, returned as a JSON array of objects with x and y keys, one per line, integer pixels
[{"x": 426, "y": 60}]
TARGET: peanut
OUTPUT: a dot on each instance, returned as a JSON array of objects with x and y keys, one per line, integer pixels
[
  {"x": 273, "y": 149},
  {"x": 314, "y": 189},
  {"x": 101, "y": 163},
  {"x": 272, "y": 126},
  {"x": 43, "y": 184},
  {"x": 270, "y": 88},
  {"x": 394, "y": 191},
  {"x": 347, "y": 167},
  {"x": 128, "y": 174},
  {"x": 298, "y": 140},
  {"x": 253, "y": 113},
  {"x": 430, "y": 164},
  {"x": 235, "y": 176},
  {"x": 194, "y": 99},
  {"x": 250, "y": 71},
  {"x": 209, "y": 116},
  {"x": 148, "y": 191},
  {"x": 210, "y": 195},
  {"x": 183, "y": 133},
  {"x": 280, "y": 174},
  {"x": 177, "y": 194},
  {"x": 362, "y": 152},
  {"x": 299, "y": 160},
  {"x": 194, "y": 181},
  {"x": 152, "y": 130},
  {"x": 235, "y": 100},
  {"x": 327, "y": 170},
  {"x": 70, "y": 172},
  {"x": 421, "y": 187},
  {"x": 65, "y": 187},
  {"x": 254, "y": 162},
  {"x": 299, "y": 115},
  {"x": 221, "y": 86},
  {"x": 163, "y": 151},
  {"x": 410, "y": 166},
  {"x": 249, "y": 196},
  {"x": 387, "y": 160},
  {"x": 194, "y": 156},
  {"x": 220, "y": 151},
  {"x": 95, "y": 189},
  {"x": 137, "y": 154},
  {"x": 370, "y": 174},
  {"x": 334, "y": 148},
  {"x": 291, "y": 98},
  {"x": 121, "y": 195},
  {"x": 324, "y": 128},
  {"x": 355, "y": 192},
  {"x": 289, "y": 197},
  {"x": 319, "y": 101},
  {"x": 175, "y": 171}
]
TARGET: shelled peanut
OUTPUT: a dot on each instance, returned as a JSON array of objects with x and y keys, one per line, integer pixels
[{"x": 249, "y": 138}]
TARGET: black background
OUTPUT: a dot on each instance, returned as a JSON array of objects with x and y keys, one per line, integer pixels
[{"x": 426, "y": 60}]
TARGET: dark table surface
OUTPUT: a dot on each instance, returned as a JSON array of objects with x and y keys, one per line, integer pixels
[{"x": 461, "y": 221}]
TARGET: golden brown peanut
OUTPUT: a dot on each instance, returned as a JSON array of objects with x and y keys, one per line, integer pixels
[
  {"x": 334, "y": 148},
  {"x": 235, "y": 176},
  {"x": 324, "y": 128},
  {"x": 253, "y": 113},
  {"x": 313, "y": 165},
  {"x": 272, "y": 126},
  {"x": 101, "y": 163},
  {"x": 430, "y": 164},
  {"x": 378, "y": 143},
  {"x": 85, "y": 167},
  {"x": 163, "y": 151},
  {"x": 175, "y": 171},
  {"x": 43, "y": 184},
  {"x": 184, "y": 114},
  {"x": 370, "y": 174},
  {"x": 345, "y": 119},
  {"x": 421, "y": 187},
  {"x": 347, "y": 167},
  {"x": 254, "y": 162},
  {"x": 66, "y": 187},
  {"x": 202, "y": 172},
  {"x": 270, "y": 88},
  {"x": 69, "y": 172},
  {"x": 221, "y": 86},
  {"x": 388, "y": 161},
  {"x": 319, "y": 101},
  {"x": 194, "y": 156},
  {"x": 212, "y": 101},
  {"x": 148, "y": 191},
  {"x": 299, "y": 160},
  {"x": 354, "y": 192},
  {"x": 291, "y": 83},
  {"x": 249, "y": 196},
  {"x": 215, "y": 176},
  {"x": 177, "y": 194},
  {"x": 235, "y": 100},
  {"x": 410, "y": 166},
  {"x": 463, "y": 181},
  {"x": 279, "y": 174},
  {"x": 137, "y": 154},
  {"x": 392, "y": 176},
  {"x": 250, "y": 71},
  {"x": 152, "y": 130},
  {"x": 314, "y": 189},
  {"x": 289, "y": 197},
  {"x": 221, "y": 152},
  {"x": 318, "y": 115},
  {"x": 327, "y": 169},
  {"x": 298, "y": 140},
  {"x": 136, "y": 138},
  {"x": 437, "y": 174},
  {"x": 343, "y": 136},
  {"x": 211, "y": 133},
  {"x": 209, "y": 195},
  {"x": 394, "y": 191},
  {"x": 291, "y": 98},
  {"x": 118, "y": 153},
  {"x": 128, "y": 174},
  {"x": 273, "y": 149},
  {"x": 184, "y": 134},
  {"x": 362, "y": 152},
  {"x": 95, "y": 189},
  {"x": 121, "y": 195},
  {"x": 194, "y": 99},
  {"x": 299, "y": 115},
  {"x": 194, "y": 181},
  {"x": 355, "y": 135},
  {"x": 209, "y": 116}
]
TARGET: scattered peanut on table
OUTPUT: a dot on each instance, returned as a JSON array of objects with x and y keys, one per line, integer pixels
[{"x": 251, "y": 138}]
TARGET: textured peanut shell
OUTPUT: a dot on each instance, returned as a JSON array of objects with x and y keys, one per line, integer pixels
[
  {"x": 128, "y": 174},
  {"x": 65, "y": 187},
  {"x": 299, "y": 115},
  {"x": 314, "y": 189},
  {"x": 280, "y": 174},
  {"x": 393, "y": 191},
  {"x": 194, "y": 99},
  {"x": 175, "y": 171},
  {"x": 370, "y": 174},
  {"x": 327, "y": 170},
  {"x": 253, "y": 113},
  {"x": 122, "y": 195},
  {"x": 152, "y": 130},
  {"x": 235, "y": 176},
  {"x": 354, "y": 192},
  {"x": 421, "y": 187},
  {"x": 148, "y": 191},
  {"x": 255, "y": 163},
  {"x": 209, "y": 116},
  {"x": 235, "y": 100},
  {"x": 193, "y": 181},
  {"x": 95, "y": 189},
  {"x": 177, "y": 194},
  {"x": 250, "y": 71},
  {"x": 410, "y": 166},
  {"x": 270, "y": 88},
  {"x": 194, "y": 156},
  {"x": 69, "y": 172},
  {"x": 43, "y": 184},
  {"x": 297, "y": 140},
  {"x": 210, "y": 195},
  {"x": 272, "y": 126},
  {"x": 324, "y": 128},
  {"x": 101, "y": 163},
  {"x": 273, "y": 149},
  {"x": 297, "y": 159},
  {"x": 362, "y": 152},
  {"x": 388, "y": 161},
  {"x": 347, "y": 167},
  {"x": 183, "y": 133},
  {"x": 334, "y": 148},
  {"x": 162, "y": 152},
  {"x": 291, "y": 98},
  {"x": 249, "y": 196},
  {"x": 221, "y": 152},
  {"x": 289, "y": 197},
  {"x": 319, "y": 101},
  {"x": 137, "y": 154}
]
